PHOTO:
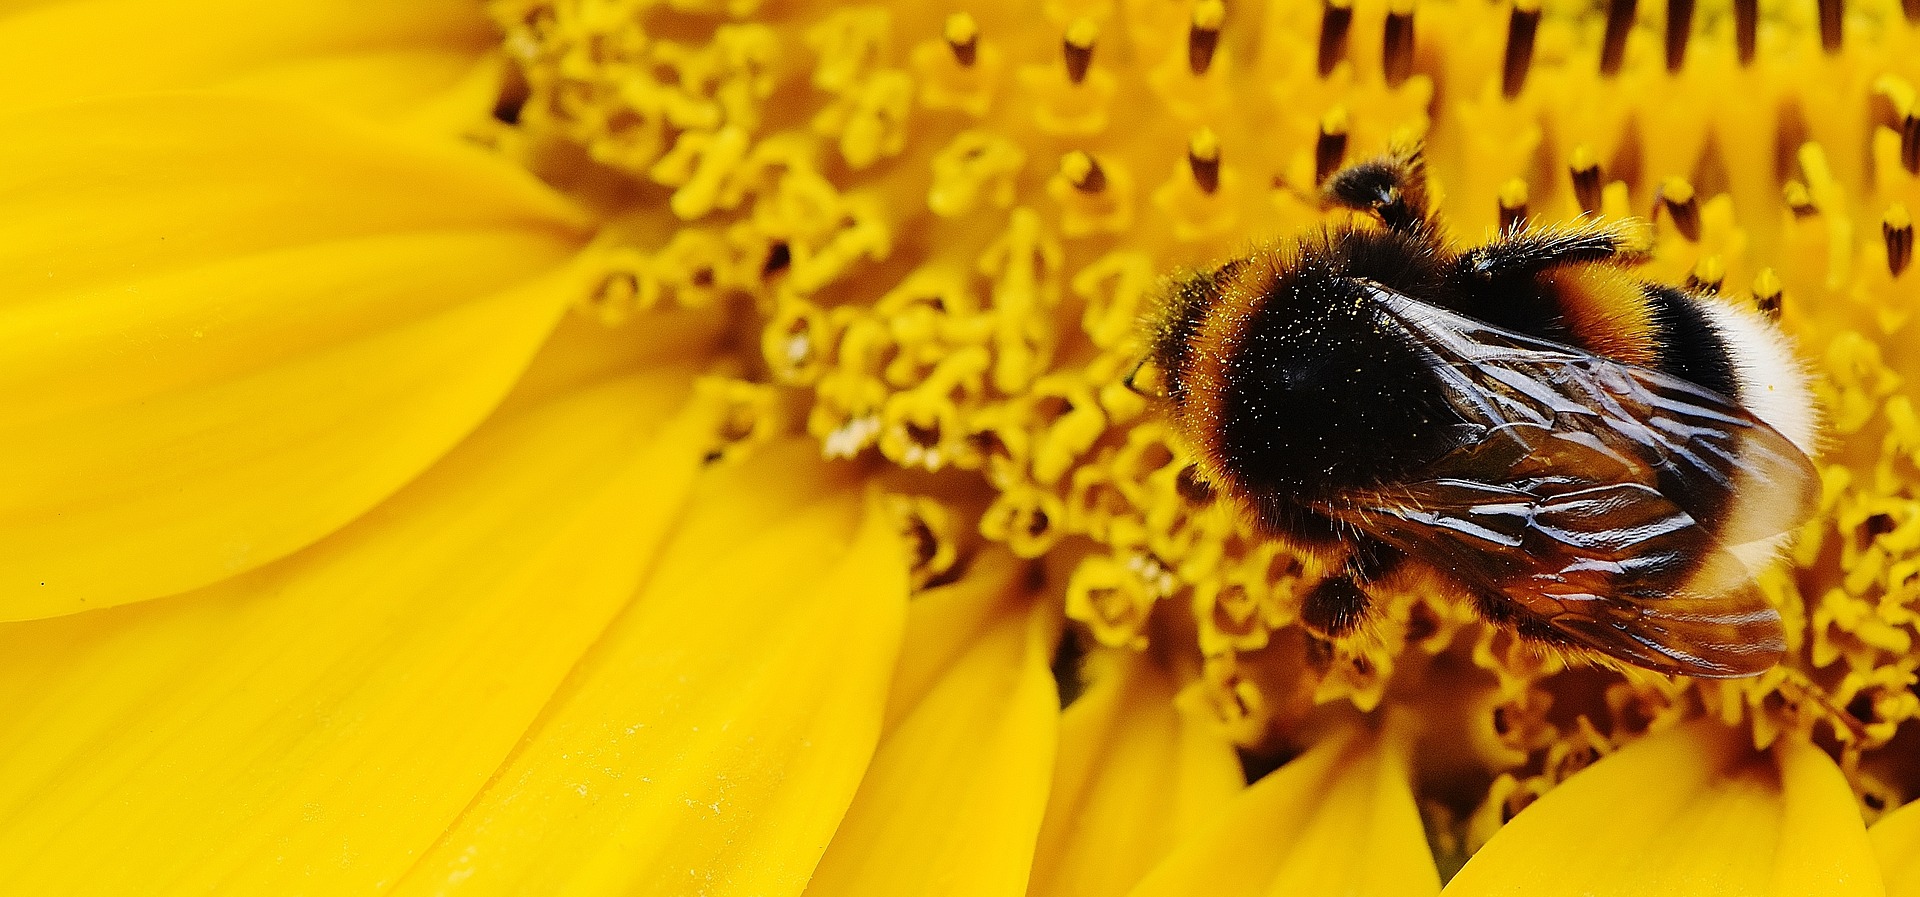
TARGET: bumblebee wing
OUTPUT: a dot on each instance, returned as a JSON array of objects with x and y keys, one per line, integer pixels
[
  {"x": 1595, "y": 500},
  {"x": 1696, "y": 447},
  {"x": 1616, "y": 567}
]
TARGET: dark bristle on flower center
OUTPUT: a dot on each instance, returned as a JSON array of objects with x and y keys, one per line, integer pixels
[
  {"x": 1832, "y": 19},
  {"x": 779, "y": 256},
  {"x": 1203, "y": 159},
  {"x": 962, "y": 34},
  {"x": 1396, "y": 43},
  {"x": 1679, "y": 32},
  {"x": 1083, "y": 171},
  {"x": 1613, "y": 48},
  {"x": 1584, "y": 168},
  {"x": 1746, "y": 29},
  {"x": 1896, "y": 228},
  {"x": 1521, "y": 27},
  {"x": 1336, "y": 18},
  {"x": 1067, "y": 658},
  {"x": 1037, "y": 523},
  {"x": 923, "y": 436},
  {"x": 1875, "y": 526},
  {"x": 1513, "y": 206},
  {"x": 1203, "y": 36},
  {"x": 1330, "y": 149},
  {"x": 1798, "y": 200},
  {"x": 1767, "y": 296},
  {"x": 1683, "y": 208},
  {"x": 513, "y": 96},
  {"x": 1707, "y": 276},
  {"x": 1077, "y": 48}
]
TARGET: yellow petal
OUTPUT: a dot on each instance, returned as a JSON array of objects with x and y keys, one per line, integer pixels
[
  {"x": 1133, "y": 775},
  {"x": 582, "y": 351},
  {"x": 233, "y": 325},
  {"x": 1690, "y": 811},
  {"x": 944, "y": 625},
  {"x": 1896, "y": 841},
  {"x": 313, "y": 726},
  {"x": 376, "y": 59},
  {"x": 433, "y": 91},
  {"x": 1339, "y": 819},
  {"x": 714, "y": 736},
  {"x": 953, "y": 801}
]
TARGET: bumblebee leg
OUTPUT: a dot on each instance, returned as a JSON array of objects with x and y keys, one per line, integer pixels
[
  {"x": 1339, "y": 604},
  {"x": 1334, "y": 607},
  {"x": 1392, "y": 187},
  {"x": 1527, "y": 253}
]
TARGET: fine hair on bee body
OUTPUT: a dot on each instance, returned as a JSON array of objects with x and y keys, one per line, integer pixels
[{"x": 1601, "y": 462}]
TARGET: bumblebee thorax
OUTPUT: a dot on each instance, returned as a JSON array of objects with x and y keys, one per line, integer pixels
[{"x": 1290, "y": 379}]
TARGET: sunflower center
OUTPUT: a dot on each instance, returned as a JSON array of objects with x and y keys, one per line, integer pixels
[{"x": 937, "y": 234}]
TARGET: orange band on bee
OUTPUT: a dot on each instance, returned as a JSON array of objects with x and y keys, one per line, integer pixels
[
  {"x": 1608, "y": 312},
  {"x": 1214, "y": 342}
]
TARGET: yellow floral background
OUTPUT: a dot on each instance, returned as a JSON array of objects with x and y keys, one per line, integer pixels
[{"x": 607, "y": 446}]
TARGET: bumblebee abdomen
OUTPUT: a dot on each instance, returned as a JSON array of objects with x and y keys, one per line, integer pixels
[
  {"x": 1692, "y": 347},
  {"x": 1701, "y": 339},
  {"x": 1604, "y": 310}
]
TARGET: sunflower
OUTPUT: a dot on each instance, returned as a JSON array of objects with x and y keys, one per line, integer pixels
[{"x": 613, "y": 446}]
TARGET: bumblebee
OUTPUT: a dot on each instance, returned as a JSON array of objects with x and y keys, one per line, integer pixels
[{"x": 1601, "y": 462}]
